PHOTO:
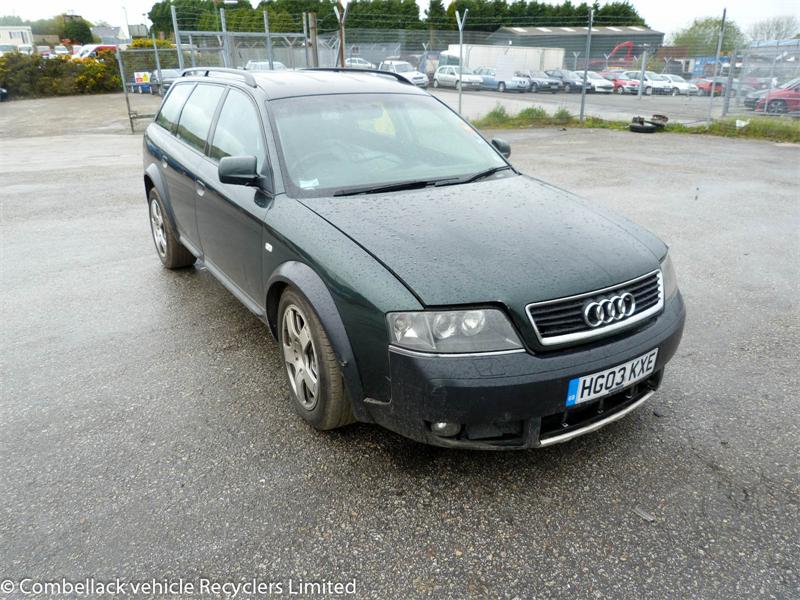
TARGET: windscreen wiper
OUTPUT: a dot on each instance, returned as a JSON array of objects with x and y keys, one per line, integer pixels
[
  {"x": 391, "y": 187},
  {"x": 475, "y": 176}
]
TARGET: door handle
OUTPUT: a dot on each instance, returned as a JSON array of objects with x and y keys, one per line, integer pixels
[{"x": 200, "y": 187}]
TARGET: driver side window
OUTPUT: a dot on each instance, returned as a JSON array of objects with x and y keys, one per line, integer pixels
[{"x": 238, "y": 131}]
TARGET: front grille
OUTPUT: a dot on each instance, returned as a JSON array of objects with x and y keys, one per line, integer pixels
[{"x": 562, "y": 321}]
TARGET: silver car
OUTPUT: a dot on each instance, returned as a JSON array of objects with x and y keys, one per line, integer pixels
[{"x": 457, "y": 77}]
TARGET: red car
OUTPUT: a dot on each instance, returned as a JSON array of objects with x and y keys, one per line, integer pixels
[
  {"x": 622, "y": 84},
  {"x": 704, "y": 87},
  {"x": 781, "y": 100}
]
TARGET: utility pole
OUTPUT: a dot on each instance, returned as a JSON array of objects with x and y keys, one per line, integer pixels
[
  {"x": 268, "y": 41},
  {"x": 716, "y": 64},
  {"x": 341, "y": 15},
  {"x": 460, "y": 20},
  {"x": 586, "y": 63},
  {"x": 158, "y": 66},
  {"x": 177, "y": 36},
  {"x": 312, "y": 34}
]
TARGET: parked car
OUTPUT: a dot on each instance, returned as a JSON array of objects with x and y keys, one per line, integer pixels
[
  {"x": 570, "y": 80},
  {"x": 457, "y": 77},
  {"x": 168, "y": 77},
  {"x": 356, "y": 62},
  {"x": 405, "y": 70},
  {"x": 3, "y": 94},
  {"x": 490, "y": 81},
  {"x": 596, "y": 83},
  {"x": 43, "y": 51},
  {"x": 751, "y": 99},
  {"x": 680, "y": 86},
  {"x": 453, "y": 300},
  {"x": 60, "y": 51},
  {"x": 92, "y": 50},
  {"x": 25, "y": 49},
  {"x": 622, "y": 84},
  {"x": 781, "y": 100},
  {"x": 263, "y": 65},
  {"x": 653, "y": 83},
  {"x": 7, "y": 48},
  {"x": 539, "y": 81}
]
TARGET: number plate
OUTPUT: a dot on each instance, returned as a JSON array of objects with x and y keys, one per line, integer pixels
[{"x": 603, "y": 383}]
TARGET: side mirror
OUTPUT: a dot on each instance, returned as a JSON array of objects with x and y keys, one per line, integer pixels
[
  {"x": 502, "y": 146},
  {"x": 238, "y": 170}
]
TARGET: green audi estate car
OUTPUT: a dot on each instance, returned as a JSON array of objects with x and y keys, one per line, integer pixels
[{"x": 412, "y": 277}]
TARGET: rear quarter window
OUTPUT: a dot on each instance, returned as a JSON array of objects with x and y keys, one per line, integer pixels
[{"x": 171, "y": 109}]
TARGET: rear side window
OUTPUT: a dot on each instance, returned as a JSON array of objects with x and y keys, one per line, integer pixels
[
  {"x": 171, "y": 110},
  {"x": 197, "y": 114},
  {"x": 238, "y": 131}
]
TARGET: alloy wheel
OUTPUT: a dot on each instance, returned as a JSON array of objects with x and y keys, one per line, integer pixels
[
  {"x": 300, "y": 356},
  {"x": 157, "y": 227}
]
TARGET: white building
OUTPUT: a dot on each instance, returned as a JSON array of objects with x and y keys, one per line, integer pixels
[{"x": 16, "y": 34}]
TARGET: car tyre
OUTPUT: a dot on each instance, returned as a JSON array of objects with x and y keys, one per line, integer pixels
[
  {"x": 435, "y": 83},
  {"x": 776, "y": 107},
  {"x": 172, "y": 253},
  {"x": 620, "y": 90},
  {"x": 675, "y": 91},
  {"x": 534, "y": 88},
  {"x": 642, "y": 127},
  {"x": 501, "y": 87},
  {"x": 313, "y": 373},
  {"x": 458, "y": 84}
]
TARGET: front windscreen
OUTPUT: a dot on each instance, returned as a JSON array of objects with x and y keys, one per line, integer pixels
[{"x": 334, "y": 142}]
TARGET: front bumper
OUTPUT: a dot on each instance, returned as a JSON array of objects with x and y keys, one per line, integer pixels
[{"x": 517, "y": 400}]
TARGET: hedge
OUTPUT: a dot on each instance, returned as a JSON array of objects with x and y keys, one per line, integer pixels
[{"x": 34, "y": 76}]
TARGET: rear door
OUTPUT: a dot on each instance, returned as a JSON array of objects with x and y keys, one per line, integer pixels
[
  {"x": 192, "y": 133},
  {"x": 230, "y": 217}
]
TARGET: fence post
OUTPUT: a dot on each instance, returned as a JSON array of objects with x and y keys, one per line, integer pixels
[
  {"x": 341, "y": 15},
  {"x": 304, "y": 17},
  {"x": 158, "y": 67},
  {"x": 191, "y": 50},
  {"x": 177, "y": 35},
  {"x": 124, "y": 87},
  {"x": 641, "y": 75},
  {"x": 460, "y": 20},
  {"x": 729, "y": 85},
  {"x": 224, "y": 26},
  {"x": 268, "y": 40},
  {"x": 772, "y": 75},
  {"x": 586, "y": 62},
  {"x": 716, "y": 64},
  {"x": 312, "y": 30}
]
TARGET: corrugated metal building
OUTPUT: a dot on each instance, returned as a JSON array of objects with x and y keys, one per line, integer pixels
[{"x": 573, "y": 39}]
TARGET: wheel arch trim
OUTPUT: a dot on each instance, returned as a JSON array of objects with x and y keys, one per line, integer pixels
[
  {"x": 310, "y": 285},
  {"x": 156, "y": 180}
]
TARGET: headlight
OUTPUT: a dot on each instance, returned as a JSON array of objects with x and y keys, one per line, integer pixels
[
  {"x": 669, "y": 277},
  {"x": 453, "y": 331}
]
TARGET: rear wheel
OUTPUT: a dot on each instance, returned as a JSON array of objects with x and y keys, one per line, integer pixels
[
  {"x": 435, "y": 83},
  {"x": 315, "y": 381},
  {"x": 501, "y": 87},
  {"x": 534, "y": 87},
  {"x": 675, "y": 91},
  {"x": 648, "y": 91},
  {"x": 458, "y": 84},
  {"x": 172, "y": 253},
  {"x": 776, "y": 106},
  {"x": 620, "y": 90}
]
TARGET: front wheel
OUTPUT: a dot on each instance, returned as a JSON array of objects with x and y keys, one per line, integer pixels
[
  {"x": 436, "y": 83},
  {"x": 172, "y": 253},
  {"x": 315, "y": 381},
  {"x": 675, "y": 91},
  {"x": 534, "y": 88},
  {"x": 458, "y": 84},
  {"x": 776, "y": 107},
  {"x": 648, "y": 91},
  {"x": 501, "y": 87}
]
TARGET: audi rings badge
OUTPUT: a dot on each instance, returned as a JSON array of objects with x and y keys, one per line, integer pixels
[{"x": 609, "y": 310}]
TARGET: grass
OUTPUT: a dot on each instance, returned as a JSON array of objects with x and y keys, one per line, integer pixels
[{"x": 776, "y": 129}]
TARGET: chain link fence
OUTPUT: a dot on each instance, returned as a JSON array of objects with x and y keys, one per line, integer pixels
[{"x": 590, "y": 67}]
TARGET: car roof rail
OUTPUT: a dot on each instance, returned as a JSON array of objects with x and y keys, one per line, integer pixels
[
  {"x": 397, "y": 76},
  {"x": 248, "y": 78}
]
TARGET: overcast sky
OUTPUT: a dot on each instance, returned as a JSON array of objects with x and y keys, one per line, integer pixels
[{"x": 663, "y": 15}]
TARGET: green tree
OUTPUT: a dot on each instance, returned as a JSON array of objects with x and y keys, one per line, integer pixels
[
  {"x": 700, "y": 38},
  {"x": 77, "y": 31}
]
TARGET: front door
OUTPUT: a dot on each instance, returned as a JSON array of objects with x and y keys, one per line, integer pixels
[{"x": 230, "y": 217}]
